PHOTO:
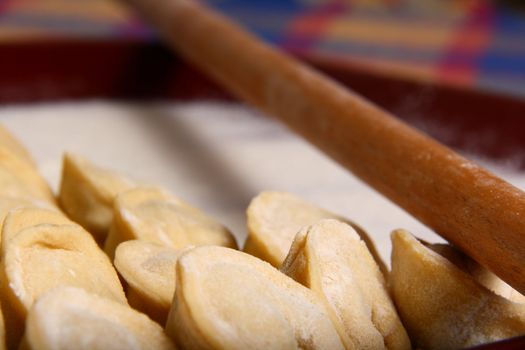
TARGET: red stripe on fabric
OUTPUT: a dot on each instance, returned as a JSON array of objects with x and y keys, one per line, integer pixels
[
  {"x": 5, "y": 5},
  {"x": 305, "y": 30},
  {"x": 459, "y": 63}
]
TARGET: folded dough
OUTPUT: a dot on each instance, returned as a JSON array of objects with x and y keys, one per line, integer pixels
[
  {"x": 330, "y": 258},
  {"x": 20, "y": 183},
  {"x": 443, "y": 307},
  {"x": 8, "y": 141},
  {"x": 149, "y": 270},
  {"x": 20, "y": 179},
  {"x": 226, "y": 299},
  {"x": 70, "y": 318},
  {"x": 42, "y": 256},
  {"x": 87, "y": 192},
  {"x": 10, "y": 203},
  {"x": 152, "y": 215},
  {"x": 16, "y": 221},
  {"x": 274, "y": 218},
  {"x": 23, "y": 217},
  {"x": 479, "y": 273}
]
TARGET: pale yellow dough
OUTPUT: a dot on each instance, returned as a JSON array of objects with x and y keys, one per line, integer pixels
[
  {"x": 21, "y": 218},
  {"x": 274, "y": 218},
  {"x": 87, "y": 192},
  {"x": 330, "y": 258},
  {"x": 20, "y": 183},
  {"x": 10, "y": 142},
  {"x": 478, "y": 272},
  {"x": 11, "y": 203},
  {"x": 149, "y": 270},
  {"x": 153, "y": 215},
  {"x": 42, "y": 256},
  {"x": 19, "y": 179},
  {"x": 226, "y": 299},
  {"x": 70, "y": 318},
  {"x": 442, "y": 306}
]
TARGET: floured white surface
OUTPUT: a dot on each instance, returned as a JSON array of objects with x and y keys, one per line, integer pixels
[{"x": 215, "y": 156}]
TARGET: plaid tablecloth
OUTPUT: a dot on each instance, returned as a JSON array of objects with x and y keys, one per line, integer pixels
[{"x": 475, "y": 44}]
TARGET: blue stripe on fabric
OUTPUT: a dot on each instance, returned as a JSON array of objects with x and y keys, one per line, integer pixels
[
  {"x": 510, "y": 22},
  {"x": 270, "y": 27},
  {"x": 272, "y": 6},
  {"x": 497, "y": 62}
]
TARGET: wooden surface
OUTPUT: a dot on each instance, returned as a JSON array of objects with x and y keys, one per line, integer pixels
[{"x": 478, "y": 212}]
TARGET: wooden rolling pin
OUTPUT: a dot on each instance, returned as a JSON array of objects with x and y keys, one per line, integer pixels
[{"x": 473, "y": 209}]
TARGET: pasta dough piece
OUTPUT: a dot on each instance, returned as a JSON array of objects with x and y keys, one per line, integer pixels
[
  {"x": 478, "y": 272},
  {"x": 20, "y": 183},
  {"x": 87, "y": 193},
  {"x": 10, "y": 142},
  {"x": 11, "y": 203},
  {"x": 441, "y": 306},
  {"x": 44, "y": 256},
  {"x": 226, "y": 299},
  {"x": 149, "y": 270},
  {"x": 21, "y": 218},
  {"x": 19, "y": 179},
  {"x": 330, "y": 258},
  {"x": 152, "y": 215},
  {"x": 70, "y": 318},
  {"x": 274, "y": 218}
]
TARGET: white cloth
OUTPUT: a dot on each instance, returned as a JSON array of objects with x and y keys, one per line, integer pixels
[{"x": 216, "y": 156}]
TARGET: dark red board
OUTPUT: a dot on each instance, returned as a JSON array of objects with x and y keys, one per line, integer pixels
[{"x": 483, "y": 123}]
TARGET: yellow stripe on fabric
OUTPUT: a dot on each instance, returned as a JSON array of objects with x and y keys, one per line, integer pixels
[
  {"x": 102, "y": 10},
  {"x": 416, "y": 35},
  {"x": 19, "y": 34}
]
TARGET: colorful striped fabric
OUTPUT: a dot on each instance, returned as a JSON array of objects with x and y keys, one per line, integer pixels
[{"x": 468, "y": 43}]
